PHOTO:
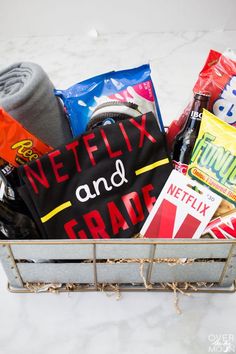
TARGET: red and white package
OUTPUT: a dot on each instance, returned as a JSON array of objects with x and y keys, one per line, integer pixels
[
  {"x": 218, "y": 77},
  {"x": 223, "y": 227},
  {"x": 182, "y": 210}
]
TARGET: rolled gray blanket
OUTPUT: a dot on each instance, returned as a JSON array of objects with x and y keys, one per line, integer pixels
[{"x": 27, "y": 94}]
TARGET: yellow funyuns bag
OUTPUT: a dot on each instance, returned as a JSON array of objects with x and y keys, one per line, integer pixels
[{"x": 213, "y": 160}]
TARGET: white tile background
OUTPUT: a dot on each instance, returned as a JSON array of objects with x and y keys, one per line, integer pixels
[
  {"x": 73, "y": 17},
  {"x": 92, "y": 322}
]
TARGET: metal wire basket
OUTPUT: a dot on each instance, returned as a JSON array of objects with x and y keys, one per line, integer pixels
[{"x": 88, "y": 265}]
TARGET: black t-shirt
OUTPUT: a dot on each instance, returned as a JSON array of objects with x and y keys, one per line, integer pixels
[{"x": 102, "y": 184}]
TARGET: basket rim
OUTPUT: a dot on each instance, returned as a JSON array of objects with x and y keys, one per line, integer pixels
[{"x": 132, "y": 241}]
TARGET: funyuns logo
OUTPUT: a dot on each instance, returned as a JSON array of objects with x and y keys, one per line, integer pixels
[{"x": 215, "y": 158}]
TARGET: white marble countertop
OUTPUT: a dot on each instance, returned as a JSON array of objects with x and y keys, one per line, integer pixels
[{"x": 140, "y": 322}]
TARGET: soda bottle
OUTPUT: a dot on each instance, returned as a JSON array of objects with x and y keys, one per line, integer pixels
[
  {"x": 15, "y": 225},
  {"x": 7, "y": 178},
  {"x": 15, "y": 218},
  {"x": 185, "y": 139},
  {"x": 9, "y": 181}
]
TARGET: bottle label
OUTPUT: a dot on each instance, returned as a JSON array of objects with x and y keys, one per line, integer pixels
[
  {"x": 180, "y": 167},
  {"x": 196, "y": 115},
  {"x": 7, "y": 169}
]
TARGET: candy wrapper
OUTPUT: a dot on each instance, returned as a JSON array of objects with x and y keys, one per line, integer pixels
[
  {"x": 218, "y": 77},
  {"x": 213, "y": 161},
  {"x": 223, "y": 227},
  {"x": 182, "y": 210},
  {"x": 86, "y": 99},
  {"x": 17, "y": 145}
]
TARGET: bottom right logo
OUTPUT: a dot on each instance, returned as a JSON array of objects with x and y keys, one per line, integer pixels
[{"x": 221, "y": 343}]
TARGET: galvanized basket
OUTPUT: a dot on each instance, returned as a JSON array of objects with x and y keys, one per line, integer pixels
[{"x": 83, "y": 263}]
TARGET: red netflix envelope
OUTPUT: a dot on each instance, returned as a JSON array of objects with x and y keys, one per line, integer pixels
[{"x": 182, "y": 210}]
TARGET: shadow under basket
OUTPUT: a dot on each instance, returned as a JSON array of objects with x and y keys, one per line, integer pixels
[{"x": 129, "y": 264}]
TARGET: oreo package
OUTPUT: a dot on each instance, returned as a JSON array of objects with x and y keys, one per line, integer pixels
[{"x": 110, "y": 97}]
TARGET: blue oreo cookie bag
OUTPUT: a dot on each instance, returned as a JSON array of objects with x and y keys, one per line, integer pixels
[{"x": 126, "y": 93}]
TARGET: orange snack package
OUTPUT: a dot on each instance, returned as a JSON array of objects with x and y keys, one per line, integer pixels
[{"x": 17, "y": 145}]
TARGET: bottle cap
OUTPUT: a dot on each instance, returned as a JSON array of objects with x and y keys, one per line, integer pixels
[{"x": 202, "y": 95}]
